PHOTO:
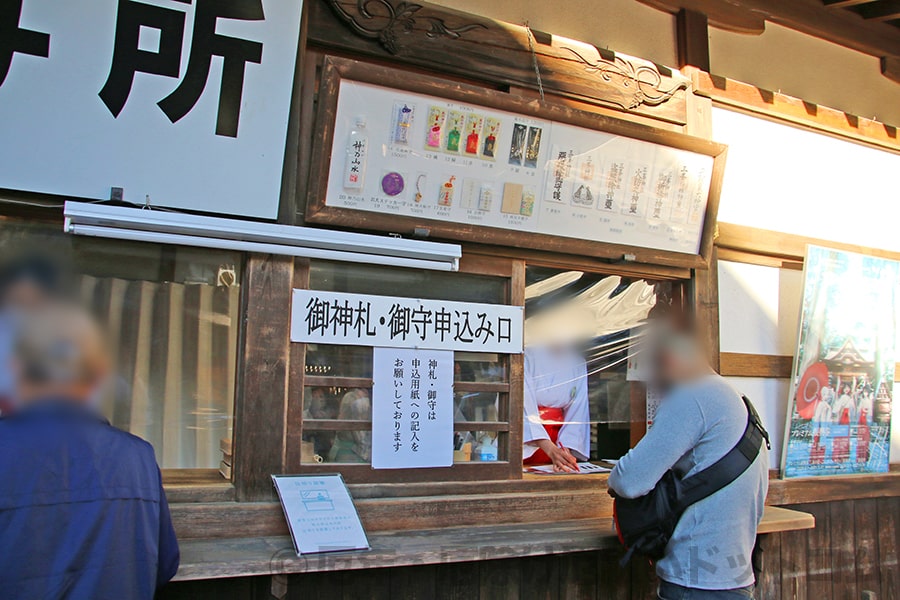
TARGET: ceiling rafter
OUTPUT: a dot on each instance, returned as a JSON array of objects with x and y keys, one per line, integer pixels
[
  {"x": 886, "y": 10},
  {"x": 841, "y": 22},
  {"x": 844, "y": 3}
]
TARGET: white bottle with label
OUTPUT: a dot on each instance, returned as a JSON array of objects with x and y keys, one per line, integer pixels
[
  {"x": 357, "y": 153},
  {"x": 487, "y": 450}
]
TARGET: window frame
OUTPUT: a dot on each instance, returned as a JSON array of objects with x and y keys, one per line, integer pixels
[
  {"x": 509, "y": 419},
  {"x": 680, "y": 295},
  {"x": 335, "y": 69},
  {"x": 189, "y": 483}
]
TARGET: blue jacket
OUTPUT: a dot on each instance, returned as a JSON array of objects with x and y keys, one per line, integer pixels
[{"x": 82, "y": 511}]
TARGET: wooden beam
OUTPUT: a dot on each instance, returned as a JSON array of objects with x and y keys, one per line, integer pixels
[
  {"x": 844, "y": 3},
  {"x": 806, "y": 16},
  {"x": 784, "y": 245},
  {"x": 794, "y": 110},
  {"x": 719, "y": 14},
  {"x": 831, "y": 489},
  {"x": 885, "y": 10},
  {"x": 693, "y": 39},
  {"x": 734, "y": 364},
  {"x": 739, "y": 256},
  {"x": 569, "y": 261},
  {"x": 890, "y": 67},
  {"x": 424, "y": 35}
]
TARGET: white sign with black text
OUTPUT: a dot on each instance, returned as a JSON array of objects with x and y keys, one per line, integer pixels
[
  {"x": 393, "y": 322},
  {"x": 412, "y": 408},
  {"x": 179, "y": 102}
]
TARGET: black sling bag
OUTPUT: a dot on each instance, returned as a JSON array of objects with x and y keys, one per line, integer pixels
[{"x": 646, "y": 524}]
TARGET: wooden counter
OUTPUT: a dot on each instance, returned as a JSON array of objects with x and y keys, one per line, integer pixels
[
  {"x": 241, "y": 557},
  {"x": 204, "y": 514}
]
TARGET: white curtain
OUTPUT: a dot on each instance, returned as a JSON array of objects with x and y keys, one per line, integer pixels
[{"x": 174, "y": 348}]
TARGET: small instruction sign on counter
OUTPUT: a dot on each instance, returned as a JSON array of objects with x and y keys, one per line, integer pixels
[{"x": 320, "y": 513}]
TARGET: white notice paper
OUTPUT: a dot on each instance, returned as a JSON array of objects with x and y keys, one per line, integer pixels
[
  {"x": 320, "y": 513},
  {"x": 584, "y": 468},
  {"x": 412, "y": 408}
]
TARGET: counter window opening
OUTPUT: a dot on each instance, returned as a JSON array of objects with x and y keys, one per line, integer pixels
[
  {"x": 584, "y": 384},
  {"x": 170, "y": 318},
  {"x": 577, "y": 389}
]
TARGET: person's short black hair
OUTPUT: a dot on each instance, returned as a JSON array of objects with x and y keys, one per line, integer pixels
[{"x": 36, "y": 269}]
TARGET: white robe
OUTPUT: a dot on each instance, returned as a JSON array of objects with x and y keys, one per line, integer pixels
[
  {"x": 844, "y": 402},
  {"x": 823, "y": 413},
  {"x": 557, "y": 379}
]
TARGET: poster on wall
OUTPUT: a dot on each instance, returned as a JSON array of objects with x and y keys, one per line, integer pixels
[
  {"x": 173, "y": 103},
  {"x": 412, "y": 155},
  {"x": 412, "y": 408},
  {"x": 839, "y": 416}
]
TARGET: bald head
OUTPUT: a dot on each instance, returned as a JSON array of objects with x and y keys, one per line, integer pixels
[{"x": 60, "y": 355}]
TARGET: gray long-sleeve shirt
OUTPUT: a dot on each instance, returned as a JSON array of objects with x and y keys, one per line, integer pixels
[{"x": 696, "y": 425}]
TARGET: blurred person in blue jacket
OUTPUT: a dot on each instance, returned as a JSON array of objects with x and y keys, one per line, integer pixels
[{"x": 82, "y": 511}]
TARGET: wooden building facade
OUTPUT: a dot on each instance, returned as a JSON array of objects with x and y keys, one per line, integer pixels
[{"x": 478, "y": 530}]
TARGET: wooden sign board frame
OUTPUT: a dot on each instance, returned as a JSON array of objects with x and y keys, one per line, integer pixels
[{"x": 337, "y": 69}]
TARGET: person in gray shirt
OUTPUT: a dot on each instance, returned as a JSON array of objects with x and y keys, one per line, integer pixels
[{"x": 700, "y": 419}]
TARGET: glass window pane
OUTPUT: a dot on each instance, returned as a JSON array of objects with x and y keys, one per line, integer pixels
[
  {"x": 475, "y": 446},
  {"x": 323, "y": 403},
  {"x": 171, "y": 318},
  {"x": 480, "y": 367},
  {"x": 475, "y": 406},
  {"x": 319, "y": 403},
  {"x": 336, "y": 404},
  {"x": 413, "y": 283},
  {"x": 346, "y": 446},
  {"x": 326, "y": 360}
]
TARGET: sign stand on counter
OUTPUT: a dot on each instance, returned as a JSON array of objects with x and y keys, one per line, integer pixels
[{"x": 320, "y": 513}]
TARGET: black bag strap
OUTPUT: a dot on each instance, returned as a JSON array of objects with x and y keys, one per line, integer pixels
[{"x": 728, "y": 468}]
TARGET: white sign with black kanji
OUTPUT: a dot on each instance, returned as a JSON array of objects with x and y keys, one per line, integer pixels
[{"x": 182, "y": 103}]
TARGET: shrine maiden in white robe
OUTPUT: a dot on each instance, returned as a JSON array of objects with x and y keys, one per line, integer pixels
[{"x": 557, "y": 378}]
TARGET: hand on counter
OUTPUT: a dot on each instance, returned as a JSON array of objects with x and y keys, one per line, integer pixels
[{"x": 563, "y": 460}]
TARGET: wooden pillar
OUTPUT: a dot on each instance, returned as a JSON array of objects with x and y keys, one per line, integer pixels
[
  {"x": 693, "y": 39},
  {"x": 705, "y": 299},
  {"x": 265, "y": 358}
]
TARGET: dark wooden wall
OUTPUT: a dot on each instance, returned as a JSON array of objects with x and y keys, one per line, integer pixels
[{"x": 852, "y": 550}]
